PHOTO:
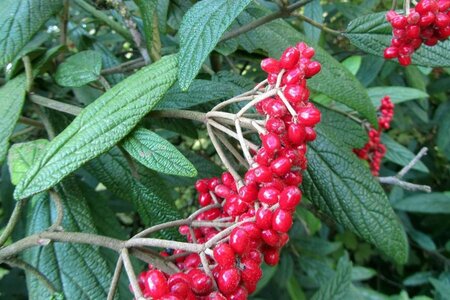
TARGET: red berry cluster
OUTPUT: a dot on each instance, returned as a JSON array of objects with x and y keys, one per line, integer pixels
[
  {"x": 427, "y": 23},
  {"x": 263, "y": 203},
  {"x": 374, "y": 150}
]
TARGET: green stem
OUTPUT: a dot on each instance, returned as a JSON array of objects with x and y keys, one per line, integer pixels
[
  {"x": 28, "y": 72},
  {"x": 105, "y": 19},
  {"x": 15, "y": 217},
  {"x": 319, "y": 25}
]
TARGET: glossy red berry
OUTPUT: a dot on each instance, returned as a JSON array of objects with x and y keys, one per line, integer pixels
[
  {"x": 263, "y": 174},
  {"x": 309, "y": 116},
  {"x": 157, "y": 284},
  {"x": 201, "y": 283},
  {"x": 270, "y": 65},
  {"x": 249, "y": 193},
  {"x": 312, "y": 69},
  {"x": 268, "y": 195},
  {"x": 228, "y": 280},
  {"x": 224, "y": 255},
  {"x": 240, "y": 294},
  {"x": 275, "y": 125},
  {"x": 263, "y": 218},
  {"x": 271, "y": 142},
  {"x": 202, "y": 186},
  {"x": 281, "y": 166},
  {"x": 282, "y": 220},
  {"x": 290, "y": 197},
  {"x": 270, "y": 237},
  {"x": 295, "y": 93},
  {"x": 239, "y": 240},
  {"x": 289, "y": 58},
  {"x": 271, "y": 256}
]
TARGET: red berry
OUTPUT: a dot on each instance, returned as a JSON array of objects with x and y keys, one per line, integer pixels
[
  {"x": 275, "y": 125},
  {"x": 224, "y": 255},
  {"x": 223, "y": 191},
  {"x": 276, "y": 108},
  {"x": 289, "y": 58},
  {"x": 228, "y": 280},
  {"x": 426, "y": 6},
  {"x": 263, "y": 174},
  {"x": 240, "y": 294},
  {"x": 157, "y": 284},
  {"x": 201, "y": 283},
  {"x": 216, "y": 296},
  {"x": 390, "y": 52},
  {"x": 310, "y": 134},
  {"x": 239, "y": 240},
  {"x": 270, "y": 237},
  {"x": 427, "y": 19},
  {"x": 312, "y": 69},
  {"x": 202, "y": 186},
  {"x": 413, "y": 17},
  {"x": 271, "y": 256},
  {"x": 404, "y": 60},
  {"x": 294, "y": 93},
  {"x": 263, "y": 218},
  {"x": 268, "y": 195},
  {"x": 309, "y": 52},
  {"x": 235, "y": 206},
  {"x": 282, "y": 220},
  {"x": 271, "y": 142},
  {"x": 290, "y": 197},
  {"x": 281, "y": 166},
  {"x": 204, "y": 199},
  {"x": 296, "y": 134},
  {"x": 413, "y": 32},
  {"x": 293, "y": 76},
  {"x": 270, "y": 65},
  {"x": 309, "y": 116},
  {"x": 442, "y": 20},
  {"x": 399, "y": 22},
  {"x": 249, "y": 193},
  {"x": 252, "y": 229}
]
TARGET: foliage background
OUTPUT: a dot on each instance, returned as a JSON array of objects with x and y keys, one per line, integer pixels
[{"x": 325, "y": 259}]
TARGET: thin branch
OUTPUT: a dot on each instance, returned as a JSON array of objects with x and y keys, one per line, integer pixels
[
  {"x": 115, "y": 279},
  {"x": 397, "y": 179},
  {"x": 125, "y": 67},
  {"x": 282, "y": 13},
  {"x": 28, "y": 121},
  {"x": 232, "y": 149},
  {"x": 63, "y": 27},
  {"x": 56, "y": 226},
  {"x": 18, "y": 263},
  {"x": 131, "y": 275},
  {"x": 318, "y": 25},
  {"x": 105, "y": 19},
  {"x": 47, "y": 125},
  {"x": 12, "y": 222},
  {"x": 105, "y": 84},
  {"x": 55, "y": 105}
]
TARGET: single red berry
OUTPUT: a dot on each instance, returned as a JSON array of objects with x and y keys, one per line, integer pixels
[
  {"x": 228, "y": 280},
  {"x": 310, "y": 134},
  {"x": 413, "y": 17},
  {"x": 293, "y": 76},
  {"x": 239, "y": 240},
  {"x": 443, "y": 5},
  {"x": 270, "y": 65},
  {"x": 240, "y": 294},
  {"x": 404, "y": 60},
  {"x": 251, "y": 271},
  {"x": 399, "y": 22},
  {"x": 216, "y": 296},
  {"x": 312, "y": 69},
  {"x": 309, "y": 116},
  {"x": 204, "y": 199},
  {"x": 294, "y": 93},
  {"x": 427, "y": 19},
  {"x": 201, "y": 283},
  {"x": 235, "y": 206},
  {"x": 281, "y": 166},
  {"x": 426, "y": 6},
  {"x": 295, "y": 178},
  {"x": 192, "y": 260},
  {"x": 224, "y": 255},
  {"x": 289, "y": 58},
  {"x": 442, "y": 20},
  {"x": 212, "y": 183},
  {"x": 413, "y": 31},
  {"x": 268, "y": 195},
  {"x": 202, "y": 186},
  {"x": 309, "y": 52},
  {"x": 252, "y": 229},
  {"x": 223, "y": 191},
  {"x": 263, "y": 218},
  {"x": 296, "y": 134},
  {"x": 180, "y": 289},
  {"x": 270, "y": 237},
  {"x": 249, "y": 193},
  {"x": 271, "y": 256},
  {"x": 282, "y": 220},
  {"x": 157, "y": 284},
  {"x": 228, "y": 180},
  {"x": 290, "y": 197},
  {"x": 263, "y": 174},
  {"x": 276, "y": 108},
  {"x": 271, "y": 142},
  {"x": 275, "y": 125}
]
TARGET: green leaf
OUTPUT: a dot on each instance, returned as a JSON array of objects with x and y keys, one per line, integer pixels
[
  {"x": 353, "y": 63},
  {"x": 148, "y": 194},
  {"x": 317, "y": 246},
  {"x": 157, "y": 153},
  {"x": 417, "y": 279},
  {"x": 355, "y": 136},
  {"x": 398, "y": 94},
  {"x": 443, "y": 138},
  {"x": 372, "y": 33},
  {"x": 12, "y": 97},
  {"x": 100, "y": 126},
  {"x": 268, "y": 273},
  {"x": 334, "y": 80},
  {"x": 19, "y": 21},
  {"x": 400, "y": 155},
  {"x": 199, "y": 92},
  {"x": 200, "y": 31},
  {"x": 147, "y": 9},
  {"x": 442, "y": 286},
  {"x": 77, "y": 270},
  {"x": 434, "y": 203},
  {"x": 295, "y": 290},
  {"x": 361, "y": 273},
  {"x": 339, "y": 285},
  {"x": 314, "y": 11},
  {"x": 21, "y": 156},
  {"x": 79, "y": 69},
  {"x": 340, "y": 185}
]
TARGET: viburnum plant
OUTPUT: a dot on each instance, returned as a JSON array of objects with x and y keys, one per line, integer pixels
[{"x": 221, "y": 149}]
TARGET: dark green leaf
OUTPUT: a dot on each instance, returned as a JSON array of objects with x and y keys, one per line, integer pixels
[
  {"x": 199, "y": 92},
  {"x": 100, "y": 126},
  {"x": 77, "y": 270},
  {"x": 434, "y": 203},
  {"x": 79, "y": 69},
  {"x": 370, "y": 67},
  {"x": 268, "y": 272},
  {"x": 443, "y": 136},
  {"x": 313, "y": 10},
  {"x": 200, "y": 31},
  {"x": 400, "y": 155},
  {"x": 148, "y": 194},
  {"x": 21, "y": 156},
  {"x": 339, "y": 285},
  {"x": 422, "y": 239},
  {"x": 355, "y": 136},
  {"x": 295, "y": 290},
  {"x": 372, "y": 33},
  {"x": 416, "y": 279},
  {"x": 442, "y": 286},
  {"x": 340, "y": 185},
  {"x": 398, "y": 94},
  {"x": 19, "y": 21},
  {"x": 12, "y": 96},
  {"x": 317, "y": 246},
  {"x": 334, "y": 80},
  {"x": 157, "y": 154},
  {"x": 147, "y": 9}
]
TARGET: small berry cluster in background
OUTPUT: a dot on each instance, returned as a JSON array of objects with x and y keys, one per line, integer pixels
[
  {"x": 427, "y": 23},
  {"x": 260, "y": 207},
  {"x": 374, "y": 150}
]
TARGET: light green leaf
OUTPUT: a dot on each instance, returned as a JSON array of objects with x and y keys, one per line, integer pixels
[
  {"x": 353, "y": 63},
  {"x": 79, "y": 69},
  {"x": 314, "y": 11},
  {"x": 199, "y": 92},
  {"x": 147, "y": 9},
  {"x": 434, "y": 203},
  {"x": 157, "y": 153},
  {"x": 200, "y": 31},
  {"x": 372, "y": 33},
  {"x": 77, "y": 270},
  {"x": 417, "y": 279},
  {"x": 295, "y": 290},
  {"x": 19, "y": 21},
  {"x": 442, "y": 286},
  {"x": 400, "y": 155},
  {"x": 398, "y": 94},
  {"x": 361, "y": 273},
  {"x": 338, "y": 287},
  {"x": 340, "y": 185},
  {"x": 334, "y": 80},
  {"x": 149, "y": 195},
  {"x": 21, "y": 157},
  {"x": 100, "y": 126},
  {"x": 12, "y": 97}
]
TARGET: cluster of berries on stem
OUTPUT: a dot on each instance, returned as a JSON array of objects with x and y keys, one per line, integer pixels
[
  {"x": 427, "y": 23},
  {"x": 246, "y": 219},
  {"x": 374, "y": 150}
]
